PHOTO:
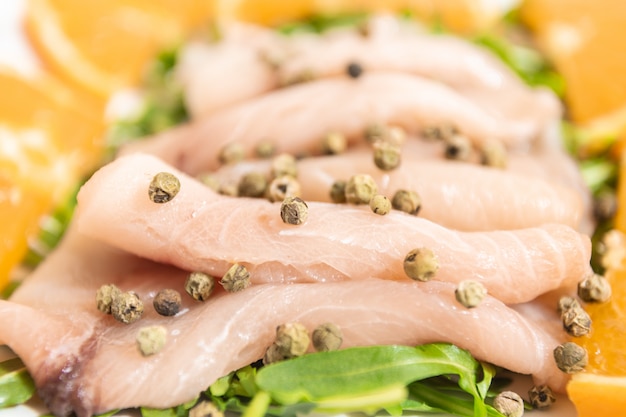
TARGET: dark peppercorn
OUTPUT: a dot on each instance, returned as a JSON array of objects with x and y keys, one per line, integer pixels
[
  {"x": 354, "y": 70},
  {"x": 167, "y": 302}
]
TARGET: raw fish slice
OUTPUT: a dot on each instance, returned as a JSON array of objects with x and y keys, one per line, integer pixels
[
  {"x": 233, "y": 69},
  {"x": 296, "y": 119},
  {"x": 201, "y": 230},
  {"x": 472, "y": 71},
  {"x": 490, "y": 199},
  {"x": 85, "y": 361}
]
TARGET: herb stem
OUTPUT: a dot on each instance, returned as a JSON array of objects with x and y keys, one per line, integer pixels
[{"x": 258, "y": 406}]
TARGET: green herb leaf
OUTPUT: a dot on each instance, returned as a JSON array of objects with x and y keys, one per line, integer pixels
[
  {"x": 369, "y": 378},
  {"x": 529, "y": 64},
  {"x": 154, "y": 412},
  {"x": 447, "y": 402},
  {"x": 16, "y": 384}
]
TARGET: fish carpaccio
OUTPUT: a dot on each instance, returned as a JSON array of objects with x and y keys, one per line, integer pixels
[
  {"x": 204, "y": 231},
  {"x": 247, "y": 55},
  {"x": 345, "y": 263},
  {"x": 442, "y": 190},
  {"x": 296, "y": 118},
  {"x": 86, "y": 362}
]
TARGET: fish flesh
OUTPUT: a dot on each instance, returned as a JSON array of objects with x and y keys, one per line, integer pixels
[
  {"x": 200, "y": 230},
  {"x": 220, "y": 74},
  {"x": 86, "y": 362},
  {"x": 296, "y": 119},
  {"x": 490, "y": 199},
  {"x": 234, "y": 69}
]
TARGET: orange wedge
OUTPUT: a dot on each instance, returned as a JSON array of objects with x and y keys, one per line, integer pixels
[
  {"x": 601, "y": 389},
  {"x": 104, "y": 45},
  {"x": 50, "y": 137},
  {"x": 583, "y": 38}
]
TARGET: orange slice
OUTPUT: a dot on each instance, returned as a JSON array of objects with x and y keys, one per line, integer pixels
[
  {"x": 601, "y": 389},
  {"x": 582, "y": 38},
  {"x": 104, "y": 46},
  {"x": 49, "y": 138}
]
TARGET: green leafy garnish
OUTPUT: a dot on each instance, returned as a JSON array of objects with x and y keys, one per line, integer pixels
[
  {"x": 320, "y": 23},
  {"x": 526, "y": 62},
  {"x": 368, "y": 378},
  {"x": 163, "y": 104},
  {"x": 53, "y": 227},
  {"x": 16, "y": 384}
]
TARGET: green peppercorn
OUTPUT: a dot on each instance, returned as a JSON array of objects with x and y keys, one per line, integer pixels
[
  {"x": 229, "y": 189},
  {"x": 594, "y": 288},
  {"x": 284, "y": 164},
  {"x": 570, "y": 357},
  {"x": 567, "y": 302},
  {"x": 199, "y": 285},
  {"x": 576, "y": 321},
  {"x": 265, "y": 149},
  {"x": 237, "y": 278},
  {"x": 127, "y": 307},
  {"x": 163, "y": 187},
  {"x": 377, "y": 132},
  {"x": 294, "y": 210},
  {"x": 292, "y": 340},
  {"x": 282, "y": 187},
  {"x": 334, "y": 143},
  {"x": 493, "y": 154},
  {"x": 210, "y": 180},
  {"x": 252, "y": 184},
  {"x": 386, "y": 155},
  {"x": 105, "y": 296},
  {"x": 360, "y": 189},
  {"x": 407, "y": 201},
  {"x": 605, "y": 206},
  {"x": 509, "y": 403},
  {"x": 326, "y": 337},
  {"x": 231, "y": 153},
  {"x": 205, "y": 409},
  {"x": 470, "y": 293},
  {"x": 167, "y": 302},
  {"x": 541, "y": 396},
  {"x": 151, "y": 339},
  {"x": 458, "y": 147},
  {"x": 421, "y": 264},
  {"x": 338, "y": 191},
  {"x": 443, "y": 131},
  {"x": 380, "y": 204}
]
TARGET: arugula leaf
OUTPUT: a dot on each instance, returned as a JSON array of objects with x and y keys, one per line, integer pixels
[
  {"x": 320, "y": 23},
  {"x": 527, "y": 63},
  {"x": 163, "y": 105},
  {"x": 441, "y": 401},
  {"x": 16, "y": 384},
  {"x": 369, "y": 378},
  {"x": 52, "y": 229}
]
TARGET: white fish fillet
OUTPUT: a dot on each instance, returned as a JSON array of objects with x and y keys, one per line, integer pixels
[
  {"x": 207, "y": 70},
  {"x": 296, "y": 119},
  {"x": 457, "y": 195},
  {"x": 85, "y": 361},
  {"x": 201, "y": 230}
]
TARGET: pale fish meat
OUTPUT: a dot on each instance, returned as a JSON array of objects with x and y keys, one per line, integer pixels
[
  {"x": 86, "y": 362},
  {"x": 201, "y": 230}
]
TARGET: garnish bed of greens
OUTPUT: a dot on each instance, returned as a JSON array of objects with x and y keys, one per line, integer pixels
[{"x": 433, "y": 378}]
